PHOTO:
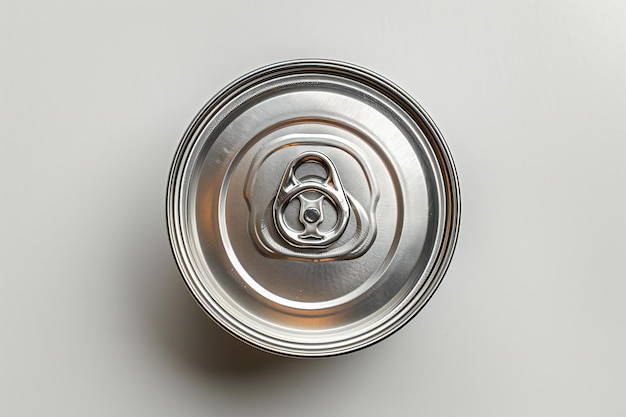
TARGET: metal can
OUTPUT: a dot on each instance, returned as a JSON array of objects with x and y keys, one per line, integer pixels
[{"x": 313, "y": 208}]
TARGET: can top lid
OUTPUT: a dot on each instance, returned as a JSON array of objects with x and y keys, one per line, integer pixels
[{"x": 313, "y": 208}]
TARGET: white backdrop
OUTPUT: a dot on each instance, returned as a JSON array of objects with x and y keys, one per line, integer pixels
[{"x": 530, "y": 319}]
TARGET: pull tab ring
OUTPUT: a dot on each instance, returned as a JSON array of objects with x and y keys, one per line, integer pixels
[{"x": 311, "y": 209}]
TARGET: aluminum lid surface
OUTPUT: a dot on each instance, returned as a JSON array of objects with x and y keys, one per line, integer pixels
[{"x": 313, "y": 208}]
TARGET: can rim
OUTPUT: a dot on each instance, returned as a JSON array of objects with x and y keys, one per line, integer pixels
[{"x": 445, "y": 163}]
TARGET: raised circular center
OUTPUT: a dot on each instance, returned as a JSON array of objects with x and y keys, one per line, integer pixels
[{"x": 311, "y": 215}]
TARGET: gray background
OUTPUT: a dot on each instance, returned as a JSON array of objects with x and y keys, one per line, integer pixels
[{"x": 530, "y": 319}]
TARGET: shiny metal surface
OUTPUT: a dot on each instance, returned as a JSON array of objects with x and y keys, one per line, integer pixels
[{"x": 313, "y": 208}]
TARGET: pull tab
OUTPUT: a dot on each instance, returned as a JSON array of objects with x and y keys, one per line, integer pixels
[{"x": 311, "y": 193}]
